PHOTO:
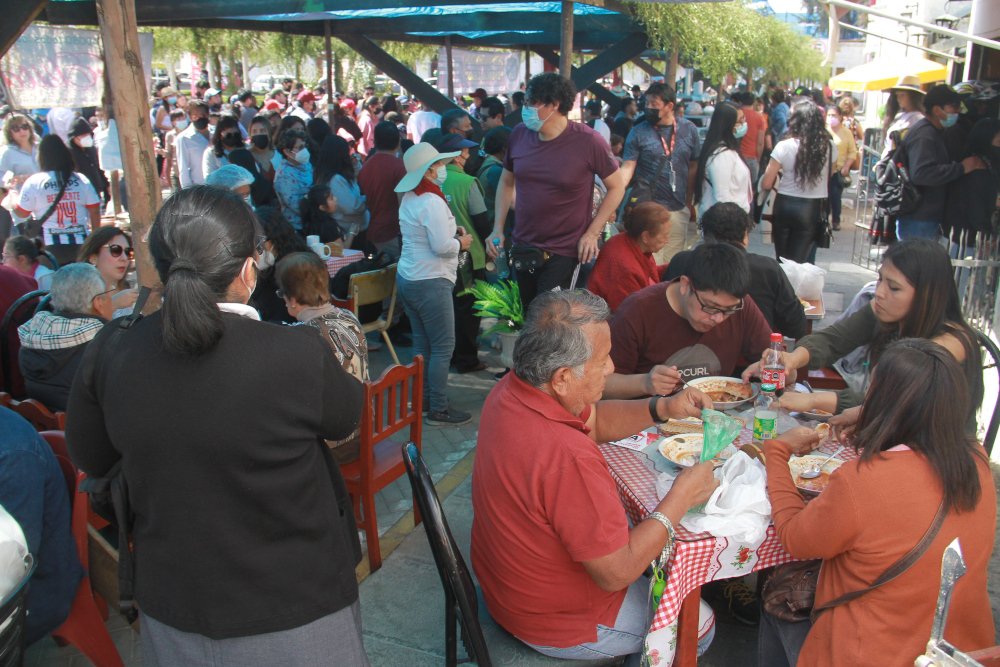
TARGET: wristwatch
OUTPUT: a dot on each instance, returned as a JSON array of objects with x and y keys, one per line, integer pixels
[{"x": 653, "y": 400}]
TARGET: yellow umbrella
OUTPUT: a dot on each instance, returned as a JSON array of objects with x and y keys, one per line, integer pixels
[{"x": 882, "y": 74}]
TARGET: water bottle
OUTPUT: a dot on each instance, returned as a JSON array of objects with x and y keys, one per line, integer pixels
[
  {"x": 765, "y": 414},
  {"x": 503, "y": 267},
  {"x": 773, "y": 371}
]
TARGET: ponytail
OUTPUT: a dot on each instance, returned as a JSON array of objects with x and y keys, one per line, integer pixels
[{"x": 192, "y": 322}]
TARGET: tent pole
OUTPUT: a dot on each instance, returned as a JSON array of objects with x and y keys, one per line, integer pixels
[
  {"x": 527, "y": 65},
  {"x": 329, "y": 72},
  {"x": 451, "y": 69},
  {"x": 123, "y": 57},
  {"x": 566, "y": 40}
]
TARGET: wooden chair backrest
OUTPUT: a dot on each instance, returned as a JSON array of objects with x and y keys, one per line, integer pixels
[
  {"x": 393, "y": 402},
  {"x": 372, "y": 286},
  {"x": 38, "y": 415}
]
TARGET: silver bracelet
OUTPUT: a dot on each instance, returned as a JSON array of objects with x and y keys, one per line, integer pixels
[{"x": 671, "y": 534}]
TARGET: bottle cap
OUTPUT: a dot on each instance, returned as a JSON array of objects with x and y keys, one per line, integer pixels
[
  {"x": 767, "y": 387},
  {"x": 496, "y": 242},
  {"x": 775, "y": 336}
]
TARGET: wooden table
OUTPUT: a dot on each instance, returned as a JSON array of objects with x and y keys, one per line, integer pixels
[{"x": 817, "y": 312}]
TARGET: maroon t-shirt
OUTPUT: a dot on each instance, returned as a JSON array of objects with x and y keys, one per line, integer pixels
[
  {"x": 646, "y": 332},
  {"x": 377, "y": 179},
  {"x": 14, "y": 285},
  {"x": 555, "y": 185}
]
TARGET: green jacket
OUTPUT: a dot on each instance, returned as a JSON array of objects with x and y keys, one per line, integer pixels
[{"x": 456, "y": 190}]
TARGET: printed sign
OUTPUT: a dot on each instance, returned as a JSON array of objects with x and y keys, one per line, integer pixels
[
  {"x": 494, "y": 71},
  {"x": 61, "y": 67}
]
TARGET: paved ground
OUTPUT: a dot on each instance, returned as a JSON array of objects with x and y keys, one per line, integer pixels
[{"x": 402, "y": 603}]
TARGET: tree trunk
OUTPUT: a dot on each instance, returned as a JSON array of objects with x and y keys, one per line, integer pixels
[
  {"x": 123, "y": 62},
  {"x": 172, "y": 75},
  {"x": 338, "y": 73},
  {"x": 217, "y": 59},
  {"x": 213, "y": 71},
  {"x": 245, "y": 62},
  {"x": 235, "y": 80},
  {"x": 671, "y": 74}
]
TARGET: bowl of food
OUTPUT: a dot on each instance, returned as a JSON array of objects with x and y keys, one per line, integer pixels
[
  {"x": 816, "y": 415},
  {"x": 815, "y": 485},
  {"x": 684, "y": 449},
  {"x": 726, "y": 393}
]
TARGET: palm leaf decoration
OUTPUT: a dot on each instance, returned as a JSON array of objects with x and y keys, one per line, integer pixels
[{"x": 501, "y": 300}]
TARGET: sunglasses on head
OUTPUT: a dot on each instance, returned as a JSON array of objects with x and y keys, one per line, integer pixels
[{"x": 116, "y": 250}]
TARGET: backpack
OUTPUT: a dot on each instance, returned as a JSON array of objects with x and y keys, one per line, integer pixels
[
  {"x": 340, "y": 284},
  {"x": 894, "y": 194}
]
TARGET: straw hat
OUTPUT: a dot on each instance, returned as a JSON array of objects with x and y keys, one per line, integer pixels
[
  {"x": 908, "y": 82},
  {"x": 417, "y": 160},
  {"x": 167, "y": 92}
]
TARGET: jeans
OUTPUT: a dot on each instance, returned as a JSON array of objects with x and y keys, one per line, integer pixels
[
  {"x": 779, "y": 642},
  {"x": 556, "y": 272},
  {"x": 431, "y": 310},
  {"x": 836, "y": 194},
  {"x": 910, "y": 228}
]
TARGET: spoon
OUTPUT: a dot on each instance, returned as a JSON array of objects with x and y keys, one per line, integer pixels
[{"x": 815, "y": 471}]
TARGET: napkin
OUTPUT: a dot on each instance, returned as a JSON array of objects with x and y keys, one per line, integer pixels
[{"x": 739, "y": 507}]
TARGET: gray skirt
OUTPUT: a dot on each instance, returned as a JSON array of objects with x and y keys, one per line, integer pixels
[{"x": 331, "y": 640}]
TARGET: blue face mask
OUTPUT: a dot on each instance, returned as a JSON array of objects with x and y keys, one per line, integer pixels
[
  {"x": 949, "y": 120},
  {"x": 740, "y": 131},
  {"x": 529, "y": 116}
]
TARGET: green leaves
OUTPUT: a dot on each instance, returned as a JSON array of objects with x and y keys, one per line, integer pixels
[{"x": 501, "y": 300}]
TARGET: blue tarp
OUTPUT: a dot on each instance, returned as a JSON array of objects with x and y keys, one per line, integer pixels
[{"x": 439, "y": 10}]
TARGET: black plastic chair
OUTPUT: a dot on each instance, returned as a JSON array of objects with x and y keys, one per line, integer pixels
[
  {"x": 50, "y": 259},
  {"x": 12, "y": 318},
  {"x": 993, "y": 361},
  {"x": 13, "y": 609},
  {"x": 461, "y": 603}
]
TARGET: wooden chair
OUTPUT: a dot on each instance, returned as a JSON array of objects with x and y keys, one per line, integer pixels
[
  {"x": 37, "y": 414},
  {"x": 373, "y": 287},
  {"x": 393, "y": 403},
  {"x": 825, "y": 378},
  {"x": 84, "y": 627},
  {"x": 57, "y": 442}
]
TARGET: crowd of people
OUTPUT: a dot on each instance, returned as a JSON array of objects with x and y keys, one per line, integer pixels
[{"x": 627, "y": 235}]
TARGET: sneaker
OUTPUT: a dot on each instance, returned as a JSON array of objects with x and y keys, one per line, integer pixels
[
  {"x": 475, "y": 368},
  {"x": 450, "y": 417},
  {"x": 733, "y": 598},
  {"x": 836, "y": 226}
]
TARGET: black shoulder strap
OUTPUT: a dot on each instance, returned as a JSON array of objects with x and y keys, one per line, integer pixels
[{"x": 55, "y": 203}]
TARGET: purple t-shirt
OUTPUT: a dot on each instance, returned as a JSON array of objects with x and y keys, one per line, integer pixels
[{"x": 555, "y": 185}]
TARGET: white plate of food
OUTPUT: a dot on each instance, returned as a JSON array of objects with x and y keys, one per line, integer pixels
[
  {"x": 726, "y": 393},
  {"x": 815, "y": 486},
  {"x": 684, "y": 449}
]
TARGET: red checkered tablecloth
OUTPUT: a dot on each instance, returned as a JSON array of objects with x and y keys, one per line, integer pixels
[
  {"x": 334, "y": 264},
  {"x": 698, "y": 557}
]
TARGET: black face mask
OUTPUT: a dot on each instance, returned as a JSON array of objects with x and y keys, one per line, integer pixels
[
  {"x": 259, "y": 140},
  {"x": 652, "y": 116},
  {"x": 200, "y": 123},
  {"x": 232, "y": 139}
]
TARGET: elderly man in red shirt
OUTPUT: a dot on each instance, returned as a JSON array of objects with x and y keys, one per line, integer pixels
[{"x": 559, "y": 566}]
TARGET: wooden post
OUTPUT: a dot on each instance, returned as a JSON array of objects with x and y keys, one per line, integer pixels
[
  {"x": 451, "y": 69},
  {"x": 329, "y": 72},
  {"x": 566, "y": 40},
  {"x": 527, "y": 65},
  {"x": 123, "y": 59}
]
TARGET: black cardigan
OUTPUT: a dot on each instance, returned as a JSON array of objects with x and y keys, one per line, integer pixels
[{"x": 238, "y": 529}]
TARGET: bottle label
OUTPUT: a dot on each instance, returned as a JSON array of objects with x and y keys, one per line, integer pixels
[
  {"x": 764, "y": 426},
  {"x": 775, "y": 376}
]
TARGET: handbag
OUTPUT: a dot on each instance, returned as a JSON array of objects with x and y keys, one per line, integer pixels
[
  {"x": 527, "y": 258},
  {"x": 790, "y": 592}
]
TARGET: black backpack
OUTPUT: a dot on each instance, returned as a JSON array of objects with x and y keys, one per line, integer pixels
[
  {"x": 894, "y": 194},
  {"x": 340, "y": 284}
]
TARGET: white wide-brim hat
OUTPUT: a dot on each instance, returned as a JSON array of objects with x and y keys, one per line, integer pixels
[{"x": 417, "y": 161}]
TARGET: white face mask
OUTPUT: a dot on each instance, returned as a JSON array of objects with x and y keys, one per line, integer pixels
[
  {"x": 181, "y": 124},
  {"x": 302, "y": 157},
  {"x": 266, "y": 260},
  {"x": 250, "y": 288},
  {"x": 440, "y": 175},
  {"x": 87, "y": 141}
]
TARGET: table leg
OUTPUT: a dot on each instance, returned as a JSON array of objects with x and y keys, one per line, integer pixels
[{"x": 687, "y": 631}]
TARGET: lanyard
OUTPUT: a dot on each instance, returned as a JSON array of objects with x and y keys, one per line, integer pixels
[{"x": 673, "y": 141}]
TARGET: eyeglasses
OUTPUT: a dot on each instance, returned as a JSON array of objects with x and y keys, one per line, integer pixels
[
  {"x": 116, "y": 250},
  {"x": 18, "y": 128},
  {"x": 715, "y": 310},
  {"x": 259, "y": 246}
]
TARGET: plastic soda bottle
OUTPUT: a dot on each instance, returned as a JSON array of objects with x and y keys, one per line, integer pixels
[
  {"x": 503, "y": 267},
  {"x": 765, "y": 414},
  {"x": 773, "y": 371}
]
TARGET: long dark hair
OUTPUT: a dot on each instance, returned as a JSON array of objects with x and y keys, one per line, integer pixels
[
  {"x": 54, "y": 156},
  {"x": 200, "y": 240},
  {"x": 720, "y": 137},
  {"x": 280, "y": 232},
  {"x": 94, "y": 242},
  {"x": 226, "y": 122},
  {"x": 807, "y": 123},
  {"x": 918, "y": 397},
  {"x": 936, "y": 309},
  {"x": 334, "y": 158}
]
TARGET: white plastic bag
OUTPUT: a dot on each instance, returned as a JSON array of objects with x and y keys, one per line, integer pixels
[
  {"x": 739, "y": 507},
  {"x": 807, "y": 279},
  {"x": 13, "y": 550}
]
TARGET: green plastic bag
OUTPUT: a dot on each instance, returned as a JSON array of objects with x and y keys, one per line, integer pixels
[{"x": 719, "y": 432}]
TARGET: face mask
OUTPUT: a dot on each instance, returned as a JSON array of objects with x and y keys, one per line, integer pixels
[
  {"x": 250, "y": 288},
  {"x": 249, "y": 202},
  {"x": 740, "y": 131},
  {"x": 266, "y": 260},
  {"x": 834, "y": 122},
  {"x": 652, "y": 116},
  {"x": 529, "y": 115},
  {"x": 200, "y": 123},
  {"x": 181, "y": 125},
  {"x": 440, "y": 175},
  {"x": 232, "y": 140},
  {"x": 86, "y": 141},
  {"x": 171, "y": 100},
  {"x": 949, "y": 120},
  {"x": 302, "y": 156},
  {"x": 259, "y": 140}
]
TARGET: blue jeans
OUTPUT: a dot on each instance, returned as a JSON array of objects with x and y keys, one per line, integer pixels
[
  {"x": 430, "y": 306},
  {"x": 779, "y": 642},
  {"x": 910, "y": 228}
]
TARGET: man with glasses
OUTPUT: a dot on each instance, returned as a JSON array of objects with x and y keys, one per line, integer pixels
[{"x": 701, "y": 324}]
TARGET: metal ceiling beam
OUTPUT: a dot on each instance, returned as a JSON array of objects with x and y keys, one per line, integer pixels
[
  {"x": 646, "y": 67},
  {"x": 975, "y": 39},
  {"x": 18, "y": 15},
  {"x": 602, "y": 93}
]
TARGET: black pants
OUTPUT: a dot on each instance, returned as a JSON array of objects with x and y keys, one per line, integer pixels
[
  {"x": 795, "y": 226},
  {"x": 556, "y": 272},
  {"x": 836, "y": 194},
  {"x": 466, "y": 354}
]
